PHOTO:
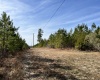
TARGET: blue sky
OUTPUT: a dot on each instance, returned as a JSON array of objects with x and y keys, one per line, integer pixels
[{"x": 30, "y": 15}]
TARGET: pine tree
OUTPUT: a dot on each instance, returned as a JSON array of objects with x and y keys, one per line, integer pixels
[
  {"x": 10, "y": 40},
  {"x": 40, "y": 33}
]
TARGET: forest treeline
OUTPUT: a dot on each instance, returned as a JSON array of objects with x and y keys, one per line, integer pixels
[
  {"x": 82, "y": 38},
  {"x": 10, "y": 40}
]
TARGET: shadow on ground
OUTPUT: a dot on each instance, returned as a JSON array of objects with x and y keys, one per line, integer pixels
[
  {"x": 39, "y": 67},
  {"x": 2, "y": 77}
]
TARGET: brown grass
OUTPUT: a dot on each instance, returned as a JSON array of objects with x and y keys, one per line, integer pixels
[
  {"x": 51, "y": 64},
  {"x": 86, "y": 65}
]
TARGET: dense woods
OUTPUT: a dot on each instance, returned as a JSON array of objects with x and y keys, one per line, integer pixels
[
  {"x": 10, "y": 40},
  {"x": 82, "y": 38}
]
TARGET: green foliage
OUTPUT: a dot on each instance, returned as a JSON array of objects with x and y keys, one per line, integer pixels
[
  {"x": 93, "y": 27},
  {"x": 97, "y": 30},
  {"x": 81, "y": 38},
  {"x": 70, "y": 40},
  {"x": 10, "y": 40},
  {"x": 58, "y": 39},
  {"x": 51, "y": 42},
  {"x": 79, "y": 35},
  {"x": 94, "y": 40},
  {"x": 40, "y": 33},
  {"x": 61, "y": 39},
  {"x": 43, "y": 43}
]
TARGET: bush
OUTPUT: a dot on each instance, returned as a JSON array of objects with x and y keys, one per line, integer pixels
[{"x": 93, "y": 41}]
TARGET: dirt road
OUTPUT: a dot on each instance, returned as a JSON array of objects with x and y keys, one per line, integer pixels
[{"x": 55, "y": 64}]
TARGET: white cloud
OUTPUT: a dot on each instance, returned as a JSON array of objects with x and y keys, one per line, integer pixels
[
  {"x": 13, "y": 7},
  {"x": 27, "y": 17},
  {"x": 18, "y": 12},
  {"x": 82, "y": 19}
]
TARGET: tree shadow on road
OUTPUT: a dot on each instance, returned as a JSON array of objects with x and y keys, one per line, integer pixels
[{"x": 47, "y": 68}]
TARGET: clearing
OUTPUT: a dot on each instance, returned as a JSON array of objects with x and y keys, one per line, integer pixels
[{"x": 56, "y": 64}]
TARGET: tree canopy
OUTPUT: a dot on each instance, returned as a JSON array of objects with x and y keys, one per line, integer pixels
[
  {"x": 10, "y": 40},
  {"x": 82, "y": 38}
]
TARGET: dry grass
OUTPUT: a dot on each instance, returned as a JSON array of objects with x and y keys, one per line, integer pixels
[
  {"x": 10, "y": 68},
  {"x": 51, "y": 64},
  {"x": 86, "y": 65}
]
